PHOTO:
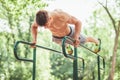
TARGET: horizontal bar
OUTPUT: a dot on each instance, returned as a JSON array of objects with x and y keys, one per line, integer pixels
[
  {"x": 28, "y": 43},
  {"x": 83, "y": 46},
  {"x": 64, "y": 48},
  {"x": 48, "y": 49},
  {"x": 70, "y": 56},
  {"x": 65, "y": 54},
  {"x": 15, "y": 53}
]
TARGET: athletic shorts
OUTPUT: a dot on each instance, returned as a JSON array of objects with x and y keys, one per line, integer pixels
[{"x": 71, "y": 34}]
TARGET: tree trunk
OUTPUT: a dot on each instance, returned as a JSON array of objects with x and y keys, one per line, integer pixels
[{"x": 112, "y": 71}]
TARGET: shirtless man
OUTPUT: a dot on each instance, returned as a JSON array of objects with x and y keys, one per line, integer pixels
[{"x": 58, "y": 22}]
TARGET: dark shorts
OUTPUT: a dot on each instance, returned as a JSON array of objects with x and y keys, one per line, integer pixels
[{"x": 59, "y": 39}]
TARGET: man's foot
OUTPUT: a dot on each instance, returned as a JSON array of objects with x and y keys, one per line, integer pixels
[
  {"x": 69, "y": 50},
  {"x": 97, "y": 47}
]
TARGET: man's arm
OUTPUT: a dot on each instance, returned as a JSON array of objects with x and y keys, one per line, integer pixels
[
  {"x": 78, "y": 25},
  {"x": 34, "y": 30}
]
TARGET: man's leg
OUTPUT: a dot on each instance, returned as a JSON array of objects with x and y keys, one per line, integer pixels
[
  {"x": 97, "y": 48},
  {"x": 91, "y": 39}
]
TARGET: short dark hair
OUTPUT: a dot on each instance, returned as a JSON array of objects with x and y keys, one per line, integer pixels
[{"x": 42, "y": 17}]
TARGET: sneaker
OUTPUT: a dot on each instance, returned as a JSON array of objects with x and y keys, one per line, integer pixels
[
  {"x": 69, "y": 50},
  {"x": 97, "y": 47}
]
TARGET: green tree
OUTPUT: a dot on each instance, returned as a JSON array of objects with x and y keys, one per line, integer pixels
[
  {"x": 17, "y": 17},
  {"x": 116, "y": 25}
]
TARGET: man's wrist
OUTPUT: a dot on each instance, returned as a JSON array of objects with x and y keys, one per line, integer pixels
[
  {"x": 34, "y": 41},
  {"x": 76, "y": 36}
]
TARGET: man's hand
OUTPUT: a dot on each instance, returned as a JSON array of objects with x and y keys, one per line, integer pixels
[
  {"x": 33, "y": 44},
  {"x": 77, "y": 41}
]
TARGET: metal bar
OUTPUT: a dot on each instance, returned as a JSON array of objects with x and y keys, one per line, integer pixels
[
  {"x": 64, "y": 52},
  {"x": 64, "y": 49},
  {"x": 104, "y": 63},
  {"x": 34, "y": 64},
  {"x": 16, "y": 55},
  {"x": 75, "y": 66},
  {"x": 48, "y": 49},
  {"x": 29, "y": 60},
  {"x": 83, "y": 63},
  {"x": 34, "y": 55},
  {"x": 90, "y": 51},
  {"x": 83, "y": 46},
  {"x": 87, "y": 49},
  {"x": 98, "y": 61},
  {"x": 75, "y": 57}
]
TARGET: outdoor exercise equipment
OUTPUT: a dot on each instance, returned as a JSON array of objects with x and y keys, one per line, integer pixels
[
  {"x": 34, "y": 56},
  {"x": 74, "y": 57},
  {"x": 75, "y": 74}
]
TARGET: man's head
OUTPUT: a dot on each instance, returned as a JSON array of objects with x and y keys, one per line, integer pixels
[{"x": 42, "y": 17}]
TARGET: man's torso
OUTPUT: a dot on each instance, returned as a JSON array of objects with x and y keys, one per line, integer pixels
[{"x": 59, "y": 24}]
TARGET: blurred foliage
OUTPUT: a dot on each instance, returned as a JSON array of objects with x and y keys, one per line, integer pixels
[{"x": 16, "y": 17}]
